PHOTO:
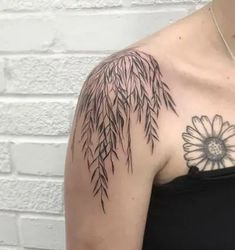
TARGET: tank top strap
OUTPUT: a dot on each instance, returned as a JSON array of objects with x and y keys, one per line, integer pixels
[
  {"x": 195, "y": 179},
  {"x": 195, "y": 173}
]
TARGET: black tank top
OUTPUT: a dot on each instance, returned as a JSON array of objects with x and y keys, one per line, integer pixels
[{"x": 195, "y": 211}]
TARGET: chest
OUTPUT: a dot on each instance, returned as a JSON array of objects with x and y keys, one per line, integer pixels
[{"x": 203, "y": 133}]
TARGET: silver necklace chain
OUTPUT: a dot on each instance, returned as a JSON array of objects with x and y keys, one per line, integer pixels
[{"x": 220, "y": 32}]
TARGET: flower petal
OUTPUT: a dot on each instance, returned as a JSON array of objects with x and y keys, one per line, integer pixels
[
  {"x": 214, "y": 165},
  {"x": 194, "y": 162},
  {"x": 227, "y": 162},
  {"x": 219, "y": 165},
  {"x": 217, "y": 125},
  {"x": 207, "y": 125},
  {"x": 199, "y": 126},
  {"x": 193, "y": 132},
  {"x": 194, "y": 155},
  {"x": 229, "y": 132},
  {"x": 209, "y": 165},
  {"x": 192, "y": 139},
  {"x": 202, "y": 163},
  {"x": 225, "y": 126},
  {"x": 190, "y": 147},
  {"x": 230, "y": 149}
]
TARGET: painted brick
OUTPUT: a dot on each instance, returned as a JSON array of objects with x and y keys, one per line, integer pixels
[
  {"x": 56, "y": 4},
  {"x": 143, "y": 2},
  {"x": 8, "y": 230},
  {"x": 51, "y": 231},
  {"x": 26, "y": 33},
  {"x": 2, "y": 79},
  {"x": 4, "y": 158},
  {"x": 91, "y": 3},
  {"x": 10, "y": 248},
  {"x": 48, "y": 75},
  {"x": 113, "y": 27},
  {"x": 19, "y": 248},
  {"x": 110, "y": 32},
  {"x": 200, "y": 4},
  {"x": 36, "y": 118},
  {"x": 31, "y": 195},
  {"x": 39, "y": 159}
]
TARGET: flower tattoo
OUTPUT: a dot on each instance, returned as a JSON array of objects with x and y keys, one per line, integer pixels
[{"x": 208, "y": 144}]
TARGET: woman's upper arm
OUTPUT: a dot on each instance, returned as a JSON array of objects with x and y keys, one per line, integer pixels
[{"x": 112, "y": 153}]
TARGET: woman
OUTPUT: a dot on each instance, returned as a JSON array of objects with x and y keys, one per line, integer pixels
[{"x": 157, "y": 118}]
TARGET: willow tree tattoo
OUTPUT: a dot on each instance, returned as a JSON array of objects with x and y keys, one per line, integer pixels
[
  {"x": 208, "y": 143},
  {"x": 126, "y": 82}
]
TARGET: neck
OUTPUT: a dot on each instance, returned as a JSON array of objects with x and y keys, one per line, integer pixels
[{"x": 224, "y": 11}]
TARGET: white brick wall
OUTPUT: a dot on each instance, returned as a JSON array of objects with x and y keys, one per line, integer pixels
[
  {"x": 47, "y": 48},
  {"x": 8, "y": 232}
]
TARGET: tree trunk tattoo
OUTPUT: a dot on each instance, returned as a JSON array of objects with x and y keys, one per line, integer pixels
[
  {"x": 208, "y": 143},
  {"x": 126, "y": 82}
]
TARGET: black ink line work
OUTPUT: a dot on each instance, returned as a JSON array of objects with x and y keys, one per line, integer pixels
[
  {"x": 126, "y": 82},
  {"x": 208, "y": 143}
]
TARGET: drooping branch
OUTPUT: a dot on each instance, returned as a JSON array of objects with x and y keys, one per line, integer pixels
[{"x": 129, "y": 81}]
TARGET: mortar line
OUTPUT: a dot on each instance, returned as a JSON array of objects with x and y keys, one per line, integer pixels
[
  {"x": 64, "y": 98},
  {"x": 32, "y": 214},
  {"x": 53, "y": 139},
  {"x": 104, "y": 10}
]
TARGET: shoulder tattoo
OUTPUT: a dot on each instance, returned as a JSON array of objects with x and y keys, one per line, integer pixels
[{"x": 129, "y": 81}]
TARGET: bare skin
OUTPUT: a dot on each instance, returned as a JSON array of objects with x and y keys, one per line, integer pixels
[{"x": 200, "y": 75}]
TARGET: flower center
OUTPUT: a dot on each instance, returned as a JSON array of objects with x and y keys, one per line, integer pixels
[{"x": 215, "y": 148}]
